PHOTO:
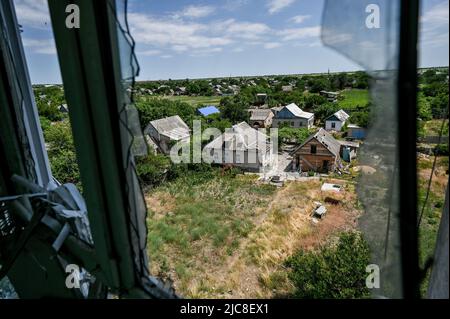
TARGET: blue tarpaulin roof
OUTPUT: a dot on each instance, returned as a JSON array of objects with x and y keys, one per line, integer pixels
[{"x": 208, "y": 110}]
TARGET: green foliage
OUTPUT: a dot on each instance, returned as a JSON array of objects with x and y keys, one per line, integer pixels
[
  {"x": 199, "y": 87},
  {"x": 61, "y": 153},
  {"x": 49, "y": 110},
  {"x": 325, "y": 110},
  {"x": 152, "y": 169},
  {"x": 48, "y": 100},
  {"x": 439, "y": 105},
  {"x": 45, "y": 123},
  {"x": 361, "y": 80},
  {"x": 157, "y": 108},
  {"x": 234, "y": 109},
  {"x": 317, "y": 84},
  {"x": 354, "y": 99},
  {"x": 424, "y": 108},
  {"x": 288, "y": 133},
  {"x": 360, "y": 118},
  {"x": 312, "y": 101},
  {"x": 335, "y": 272},
  {"x": 441, "y": 149}
]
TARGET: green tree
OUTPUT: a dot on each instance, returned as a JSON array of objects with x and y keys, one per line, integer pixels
[
  {"x": 61, "y": 153},
  {"x": 234, "y": 110},
  {"x": 334, "y": 272}
]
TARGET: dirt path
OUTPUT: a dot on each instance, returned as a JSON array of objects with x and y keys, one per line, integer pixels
[{"x": 281, "y": 240}]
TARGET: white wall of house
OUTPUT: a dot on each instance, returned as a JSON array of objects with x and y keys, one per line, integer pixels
[
  {"x": 337, "y": 125},
  {"x": 245, "y": 159},
  {"x": 296, "y": 123}
]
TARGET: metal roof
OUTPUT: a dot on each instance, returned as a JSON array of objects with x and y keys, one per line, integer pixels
[
  {"x": 240, "y": 137},
  {"x": 298, "y": 112},
  {"x": 173, "y": 127},
  {"x": 341, "y": 115},
  {"x": 260, "y": 114},
  {"x": 326, "y": 139},
  {"x": 208, "y": 110}
]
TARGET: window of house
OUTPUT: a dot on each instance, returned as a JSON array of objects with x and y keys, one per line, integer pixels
[
  {"x": 313, "y": 149},
  {"x": 333, "y": 124}
]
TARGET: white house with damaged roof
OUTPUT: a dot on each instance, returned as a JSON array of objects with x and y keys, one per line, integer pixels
[
  {"x": 167, "y": 131},
  {"x": 336, "y": 121},
  {"x": 291, "y": 115},
  {"x": 241, "y": 146}
]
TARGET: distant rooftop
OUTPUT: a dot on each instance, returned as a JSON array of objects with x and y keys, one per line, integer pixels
[
  {"x": 173, "y": 127},
  {"x": 294, "y": 109},
  {"x": 208, "y": 110}
]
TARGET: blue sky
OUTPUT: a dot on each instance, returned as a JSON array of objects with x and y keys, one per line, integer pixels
[{"x": 187, "y": 38}]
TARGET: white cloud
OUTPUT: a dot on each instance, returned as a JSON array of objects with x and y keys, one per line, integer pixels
[
  {"x": 164, "y": 32},
  {"x": 299, "y": 19},
  {"x": 244, "y": 30},
  {"x": 195, "y": 11},
  {"x": 272, "y": 45},
  {"x": 434, "y": 25},
  {"x": 275, "y": 6},
  {"x": 166, "y": 56},
  {"x": 41, "y": 46},
  {"x": 32, "y": 13},
  {"x": 437, "y": 16},
  {"x": 299, "y": 33},
  {"x": 205, "y": 52},
  {"x": 149, "y": 52}
]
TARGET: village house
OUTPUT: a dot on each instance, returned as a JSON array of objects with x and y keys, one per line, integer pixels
[
  {"x": 320, "y": 153},
  {"x": 355, "y": 132},
  {"x": 292, "y": 116},
  {"x": 166, "y": 131},
  {"x": 336, "y": 121},
  {"x": 286, "y": 88},
  {"x": 180, "y": 90},
  {"x": 241, "y": 146},
  {"x": 331, "y": 96},
  {"x": 261, "y": 118},
  {"x": 261, "y": 99}
]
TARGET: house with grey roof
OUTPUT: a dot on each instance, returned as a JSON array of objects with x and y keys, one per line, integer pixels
[
  {"x": 241, "y": 146},
  {"x": 291, "y": 115},
  {"x": 320, "y": 152},
  {"x": 166, "y": 131},
  {"x": 336, "y": 121},
  {"x": 261, "y": 118},
  {"x": 331, "y": 96}
]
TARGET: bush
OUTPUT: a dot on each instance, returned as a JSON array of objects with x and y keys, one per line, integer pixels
[
  {"x": 441, "y": 149},
  {"x": 288, "y": 133},
  {"x": 61, "y": 152},
  {"x": 333, "y": 271},
  {"x": 152, "y": 169}
]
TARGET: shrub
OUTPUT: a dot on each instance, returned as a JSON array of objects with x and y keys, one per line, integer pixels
[{"x": 333, "y": 271}]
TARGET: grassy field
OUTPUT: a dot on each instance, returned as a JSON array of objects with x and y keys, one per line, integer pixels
[
  {"x": 433, "y": 210},
  {"x": 227, "y": 237},
  {"x": 196, "y": 100},
  {"x": 433, "y": 127},
  {"x": 354, "y": 97}
]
